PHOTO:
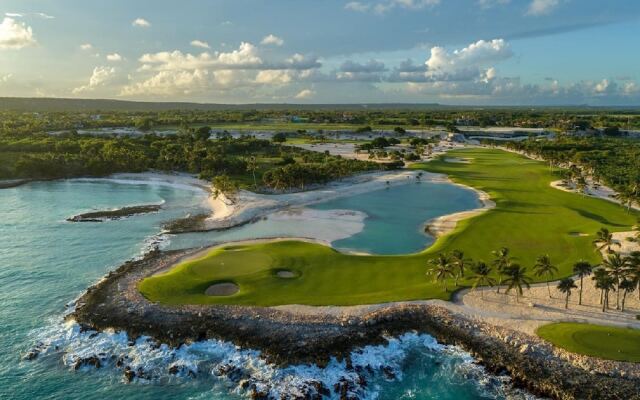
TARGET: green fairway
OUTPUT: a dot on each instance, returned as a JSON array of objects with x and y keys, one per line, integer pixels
[
  {"x": 622, "y": 344},
  {"x": 530, "y": 218}
]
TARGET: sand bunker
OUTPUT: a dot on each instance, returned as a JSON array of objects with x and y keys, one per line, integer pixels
[
  {"x": 580, "y": 234},
  {"x": 286, "y": 274},
  {"x": 222, "y": 289}
]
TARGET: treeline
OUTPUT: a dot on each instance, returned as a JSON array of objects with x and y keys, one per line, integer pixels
[
  {"x": 249, "y": 162},
  {"x": 612, "y": 161}
]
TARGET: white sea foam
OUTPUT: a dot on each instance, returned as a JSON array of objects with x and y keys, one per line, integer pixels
[{"x": 246, "y": 372}]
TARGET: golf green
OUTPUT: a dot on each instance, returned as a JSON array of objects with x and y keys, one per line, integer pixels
[
  {"x": 530, "y": 218},
  {"x": 622, "y": 344}
]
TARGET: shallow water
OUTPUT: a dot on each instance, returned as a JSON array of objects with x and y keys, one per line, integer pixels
[
  {"x": 46, "y": 262},
  {"x": 385, "y": 221}
]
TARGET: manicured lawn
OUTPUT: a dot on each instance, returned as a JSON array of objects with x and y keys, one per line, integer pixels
[
  {"x": 622, "y": 344},
  {"x": 530, "y": 218}
]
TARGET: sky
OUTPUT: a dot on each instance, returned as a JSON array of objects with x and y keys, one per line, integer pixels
[{"x": 466, "y": 52}]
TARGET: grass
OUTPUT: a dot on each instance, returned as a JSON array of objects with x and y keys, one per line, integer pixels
[
  {"x": 611, "y": 343},
  {"x": 530, "y": 218}
]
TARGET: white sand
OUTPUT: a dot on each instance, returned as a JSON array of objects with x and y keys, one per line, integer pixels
[
  {"x": 445, "y": 224},
  {"x": 599, "y": 191}
]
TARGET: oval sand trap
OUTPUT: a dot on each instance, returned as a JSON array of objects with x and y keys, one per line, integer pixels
[
  {"x": 222, "y": 289},
  {"x": 286, "y": 274}
]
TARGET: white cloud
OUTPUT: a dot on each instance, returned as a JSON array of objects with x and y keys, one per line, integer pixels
[
  {"x": 45, "y": 16},
  {"x": 274, "y": 77},
  {"x": 114, "y": 57},
  {"x": 177, "y": 73},
  {"x": 305, "y": 94},
  {"x": 15, "y": 35},
  {"x": 141, "y": 23},
  {"x": 200, "y": 43},
  {"x": 100, "y": 77},
  {"x": 5, "y": 78},
  {"x": 492, "y": 3},
  {"x": 542, "y": 7},
  {"x": 14, "y": 15},
  {"x": 357, "y": 6},
  {"x": 272, "y": 40},
  {"x": 388, "y": 5},
  {"x": 470, "y": 58},
  {"x": 86, "y": 46}
]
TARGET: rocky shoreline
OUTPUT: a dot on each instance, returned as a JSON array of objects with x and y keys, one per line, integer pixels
[
  {"x": 285, "y": 337},
  {"x": 109, "y": 215}
]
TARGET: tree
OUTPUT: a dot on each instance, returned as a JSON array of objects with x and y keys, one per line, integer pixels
[
  {"x": 442, "y": 269},
  {"x": 222, "y": 185},
  {"x": 501, "y": 262},
  {"x": 252, "y": 166},
  {"x": 604, "y": 239},
  {"x": 616, "y": 266},
  {"x": 544, "y": 266},
  {"x": 279, "y": 137},
  {"x": 628, "y": 286},
  {"x": 460, "y": 263},
  {"x": 482, "y": 275},
  {"x": 517, "y": 278},
  {"x": 565, "y": 286},
  {"x": 605, "y": 283},
  {"x": 582, "y": 268}
]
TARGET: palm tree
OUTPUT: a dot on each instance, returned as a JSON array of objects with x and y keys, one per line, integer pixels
[
  {"x": 460, "y": 263},
  {"x": 543, "y": 267},
  {"x": 628, "y": 286},
  {"x": 252, "y": 166},
  {"x": 633, "y": 268},
  {"x": 616, "y": 268},
  {"x": 582, "y": 268},
  {"x": 502, "y": 261},
  {"x": 636, "y": 232},
  {"x": 565, "y": 286},
  {"x": 605, "y": 283},
  {"x": 604, "y": 239},
  {"x": 442, "y": 269},
  {"x": 482, "y": 275},
  {"x": 517, "y": 278}
]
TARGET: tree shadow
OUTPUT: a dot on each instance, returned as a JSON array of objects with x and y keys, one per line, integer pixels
[{"x": 595, "y": 217}]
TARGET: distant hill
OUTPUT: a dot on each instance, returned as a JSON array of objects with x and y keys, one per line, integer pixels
[
  {"x": 92, "y": 105},
  {"x": 38, "y": 104}
]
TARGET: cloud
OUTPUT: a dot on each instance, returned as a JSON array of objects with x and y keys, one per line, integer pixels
[
  {"x": 305, "y": 94},
  {"x": 176, "y": 73},
  {"x": 468, "y": 59},
  {"x": 386, "y": 6},
  {"x": 272, "y": 40},
  {"x": 492, "y": 3},
  {"x": 45, "y": 16},
  {"x": 114, "y": 57},
  {"x": 200, "y": 43},
  {"x": 5, "y": 78},
  {"x": 357, "y": 6},
  {"x": 371, "y": 71},
  {"x": 14, "y": 15},
  {"x": 15, "y": 35},
  {"x": 541, "y": 7},
  {"x": 100, "y": 77},
  {"x": 141, "y": 23},
  {"x": 86, "y": 46}
]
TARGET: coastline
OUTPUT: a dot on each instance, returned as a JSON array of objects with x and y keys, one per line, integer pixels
[{"x": 293, "y": 334}]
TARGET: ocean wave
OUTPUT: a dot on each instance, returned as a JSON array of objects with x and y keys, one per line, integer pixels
[{"x": 246, "y": 373}]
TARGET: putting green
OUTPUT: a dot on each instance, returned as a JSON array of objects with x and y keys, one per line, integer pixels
[
  {"x": 622, "y": 344},
  {"x": 530, "y": 218}
]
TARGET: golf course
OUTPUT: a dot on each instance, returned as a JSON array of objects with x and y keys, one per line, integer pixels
[
  {"x": 530, "y": 219},
  {"x": 622, "y": 344}
]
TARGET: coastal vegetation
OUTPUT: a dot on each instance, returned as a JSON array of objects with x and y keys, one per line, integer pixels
[
  {"x": 612, "y": 343},
  {"x": 246, "y": 162},
  {"x": 530, "y": 218}
]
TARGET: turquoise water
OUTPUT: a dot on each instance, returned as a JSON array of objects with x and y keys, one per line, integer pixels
[
  {"x": 385, "y": 221},
  {"x": 45, "y": 263},
  {"x": 396, "y": 216}
]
